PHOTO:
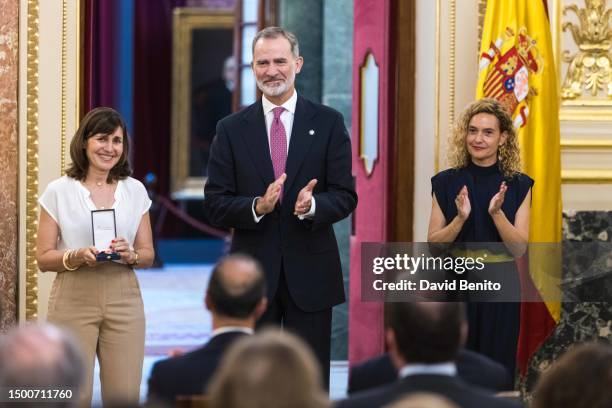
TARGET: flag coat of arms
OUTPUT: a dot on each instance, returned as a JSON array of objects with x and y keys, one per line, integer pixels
[{"x": 517, "y": 68}]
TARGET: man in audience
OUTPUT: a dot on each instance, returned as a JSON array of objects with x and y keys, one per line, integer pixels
[
  {"x": 472, "y": 367},
  {"x": 236, "y": 298},
  {"x": 424, "y": 341},
  {"x": 581, "y": 378},
  {"x": 37, "y": 357}
]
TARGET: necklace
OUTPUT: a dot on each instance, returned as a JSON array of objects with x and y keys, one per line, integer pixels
[{"x": 99, "y": 184}]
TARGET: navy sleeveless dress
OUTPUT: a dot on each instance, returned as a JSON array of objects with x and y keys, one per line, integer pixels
[{"x": 493, "y": 327}]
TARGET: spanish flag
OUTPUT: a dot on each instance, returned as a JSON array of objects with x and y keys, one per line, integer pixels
[{"x": 517, "y": 68}]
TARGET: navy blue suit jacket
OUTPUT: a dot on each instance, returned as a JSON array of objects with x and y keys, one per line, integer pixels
[
  {"x": 453, "y": 388},
  {"x": 189, "y": 373},
  {"x": 473, "y": 368},
  {"x": 240, "y": 169}
]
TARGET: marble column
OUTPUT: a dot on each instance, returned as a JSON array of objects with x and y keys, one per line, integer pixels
[
  {"x": 337, "y": 93},
  {"x": 9, "y": 160},
  {"x": 305, "y": 20},
  {"x": 325, "y": 31},
  {"x": 586, "y": 313}
]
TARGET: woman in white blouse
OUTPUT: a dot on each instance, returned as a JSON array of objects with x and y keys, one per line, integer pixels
[{"x": 100, "y": 302}]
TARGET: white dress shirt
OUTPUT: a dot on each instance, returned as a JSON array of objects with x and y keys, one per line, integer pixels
[
  {"x": 449, "y": 369},
  {"x": 69, "y": 203},
  {"x": 286, "y": 118},
  {"x": 230, "y": 329}
]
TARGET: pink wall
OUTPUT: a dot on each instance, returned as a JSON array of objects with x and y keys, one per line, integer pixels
[{"x": 371, "y": 34}]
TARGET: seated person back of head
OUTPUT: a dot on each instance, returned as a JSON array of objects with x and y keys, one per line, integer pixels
[
  {"x": 424, "y": 341},
  {"x": 42, "y": 357},
  {"x": 236, "y": 299},
  {"x": 581, "y": 378},
  {"x": 271, "y": 369}
]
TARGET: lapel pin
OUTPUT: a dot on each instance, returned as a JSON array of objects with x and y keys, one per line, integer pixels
[{"x": 311, "y": 132}]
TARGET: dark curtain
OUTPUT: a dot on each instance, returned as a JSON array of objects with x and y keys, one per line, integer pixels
[
  {"x": 152, "y": 89},
  {"x": 100, "y": 54}
]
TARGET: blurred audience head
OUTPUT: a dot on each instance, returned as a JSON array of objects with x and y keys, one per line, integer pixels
[
  {"x": 424, "y": 332},
  {"x": 237, "y": 289},
  {"x": 271, "y": 369},
  {"x": 581, "y": 378},
  {"x": 422, "y": 400},
  {"x": 230, "y": 72},
  {"x": 36, "y": 356}
]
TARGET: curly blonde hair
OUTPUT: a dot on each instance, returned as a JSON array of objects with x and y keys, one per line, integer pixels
[{"x": 509, "y": 156}]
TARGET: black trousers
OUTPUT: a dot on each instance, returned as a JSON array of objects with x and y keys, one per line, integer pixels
[{"x": 312, "y": 327}]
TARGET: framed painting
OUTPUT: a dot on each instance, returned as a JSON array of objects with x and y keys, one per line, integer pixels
[{"x": 203, "y": 81}]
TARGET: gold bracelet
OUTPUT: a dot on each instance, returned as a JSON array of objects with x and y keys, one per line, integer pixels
[
  {"x": 136, "y": 259},
  {"x": 69, "y": 259},
  {"x": 65, "y": 260},
  {"x": 72, "y": 257}
]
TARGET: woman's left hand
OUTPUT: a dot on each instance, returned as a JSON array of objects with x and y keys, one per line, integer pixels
[
  {"x": 122, "y": 247},
  {"x": 498, "y": 199}
]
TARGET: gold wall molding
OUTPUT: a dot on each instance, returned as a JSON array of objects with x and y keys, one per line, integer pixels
[
  {"x": 185, "y": 22},
  {"x": 586, "y": 176},
  {"x": 582, "y": 36},
  {"x": 451, "y": 63},
  {"x": 48, "y": 104},
  {"x": 437, "y": 91},
  {"x": 64, "y": 85},
  {"x": 31, "y": 301},
  {"x": 482, "y": 11},
  {"x": 449, "y": 91},
  {"x": 586, "y": 112},
  {"x": 585, "y": 144},
  {"x": 590, "y": 67}
]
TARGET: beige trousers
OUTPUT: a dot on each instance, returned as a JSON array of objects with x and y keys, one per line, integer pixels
[{"x": 102, "y": 307}]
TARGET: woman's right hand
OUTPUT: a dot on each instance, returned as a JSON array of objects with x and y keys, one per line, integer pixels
[
  {"x": 86, "y": 256},
  {"x": 462, "y": 201}
]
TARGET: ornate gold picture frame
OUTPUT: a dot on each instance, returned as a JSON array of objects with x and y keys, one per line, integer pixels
[{"x": 202, "y": 41}]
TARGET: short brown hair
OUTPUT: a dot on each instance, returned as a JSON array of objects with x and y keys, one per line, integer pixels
[
  {"x": 426, "y": 332},
  {"x": 581, "y": 378},
  {"x": 100, "y": 120}
]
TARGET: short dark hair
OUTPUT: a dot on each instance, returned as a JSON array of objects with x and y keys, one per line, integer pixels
[
  {"x": 237, "y": 302},
  {"x": 100, "y": 120},
  {"x": 275, "y": 32},
  {"x": 581, "y": 378},
  {"x": 426, "y": 332}
]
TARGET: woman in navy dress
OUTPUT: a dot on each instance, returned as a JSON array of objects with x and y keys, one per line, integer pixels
[{"x": 484, "y": 197}]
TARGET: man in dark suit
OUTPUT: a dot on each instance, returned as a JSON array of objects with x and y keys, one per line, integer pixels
[
  {"x": 424, "y": 341},
  {"x": 236, "y": 299},
  {"x": 279, "y": 174},
  {"x": 472, "y": 367}
]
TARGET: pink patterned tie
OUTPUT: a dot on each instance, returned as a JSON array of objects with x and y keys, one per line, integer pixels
[{"x": 278, "y": 144}]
